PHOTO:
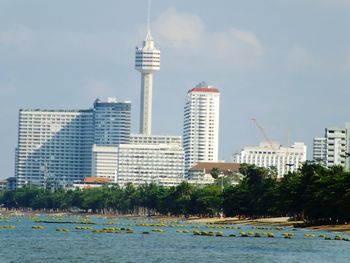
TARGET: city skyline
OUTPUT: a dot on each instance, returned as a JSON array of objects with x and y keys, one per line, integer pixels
[{"x": 282, "y": 80}]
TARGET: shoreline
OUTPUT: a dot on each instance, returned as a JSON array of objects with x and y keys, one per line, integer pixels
[{"x": 275, "y": 221}]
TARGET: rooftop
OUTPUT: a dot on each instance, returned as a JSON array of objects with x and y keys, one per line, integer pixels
[{"x": 224, "y": 167}]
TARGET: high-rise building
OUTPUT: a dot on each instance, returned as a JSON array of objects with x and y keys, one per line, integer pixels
[
  {"x": 269, "y": 154},
  {"x": 112, "y": 122},
  {"x": 333, "y": 148},
  {"x": 336, "y": 146},
  {"x": 319, "y": 150},
  {"x": 147, "y": 61},
  {"x": 55, "y": 146},
  {"x": 201, "y": 125}
]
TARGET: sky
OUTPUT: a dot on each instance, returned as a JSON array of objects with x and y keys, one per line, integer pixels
[{"x": 285, "y": 63}]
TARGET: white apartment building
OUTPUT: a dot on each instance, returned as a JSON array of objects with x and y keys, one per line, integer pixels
[
  {"x": 333, "y": 148},
  {"x": 201, "y": 125},
  {"x": 268, "y": 155},
  {"x": 319, "y": 150},
  {"x": 139, "y": 163},
  {"x": 155, "y": 139},
  {"x": 52, "y": 145},
  {"x": 336, "y": 146},
  {"x": 104, "y": 162}
]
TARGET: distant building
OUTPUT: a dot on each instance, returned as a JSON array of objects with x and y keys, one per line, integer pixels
[
  {"x": 333, "y": 148},
  {"x": 319, "y": 150},
  {"x": 140, "y": 163},
  {"x": 56, "y": 145},
  {"x": 155, "y": 139},
  {"x": 201, "y": 125},
  {"x": 112, "y": 122},
  {"x": 91, "y": 182},
  {"x": 201, "y": 172},
  {"x": 3, "y": 185},
  {"x": 336, "y": 146},
  {"x": 267, "y": 155},
  {"x": 104, "y": 162},
  {"x": 11, "y": 183},
  {"x": 53, "y": 144}
]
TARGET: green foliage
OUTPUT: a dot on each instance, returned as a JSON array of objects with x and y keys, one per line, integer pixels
[
  {"x": 315, "y": 194},
  {"x": 215, "y": 172}
]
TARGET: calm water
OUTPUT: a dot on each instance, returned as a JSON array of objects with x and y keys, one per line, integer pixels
[{"x": 24, "y": 244}]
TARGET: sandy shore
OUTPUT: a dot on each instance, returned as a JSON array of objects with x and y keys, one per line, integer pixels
[{"x": 277, "y": 221}]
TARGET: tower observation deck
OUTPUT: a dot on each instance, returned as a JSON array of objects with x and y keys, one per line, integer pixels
[{"x": 147, "y": 61}]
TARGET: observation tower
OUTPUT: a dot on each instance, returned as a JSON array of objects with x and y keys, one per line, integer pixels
[{"x": 147, "y": 61}]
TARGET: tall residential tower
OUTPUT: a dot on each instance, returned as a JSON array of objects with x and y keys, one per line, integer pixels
[
  {"x": 55, "y": 146},
  {"x": 147, "y": 61},
  {"x": 201, "y": 125}
]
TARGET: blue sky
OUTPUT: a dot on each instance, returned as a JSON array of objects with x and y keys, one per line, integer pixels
[{"x": 284, "y": 62}]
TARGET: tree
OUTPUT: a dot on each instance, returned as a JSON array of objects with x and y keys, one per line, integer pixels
[{"x": 215, "y": 172}]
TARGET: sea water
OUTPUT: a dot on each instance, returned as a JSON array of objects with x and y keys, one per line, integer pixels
[{"x": 25, "y": 244}]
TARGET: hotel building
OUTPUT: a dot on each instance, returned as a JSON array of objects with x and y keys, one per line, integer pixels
[
  {"x": 140, "y": 163},
  {"x": 284, "y": 159}
]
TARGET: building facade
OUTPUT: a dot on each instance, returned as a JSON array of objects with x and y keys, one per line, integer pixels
[
  {"x": 333, "y": 148},
  {"x": 319, "y": 150},
  {"x": 201, "y": 125},
  {"x": 284, "y": 159},
  {"x": 155, "y": 139},
  {"x": 55, "y": 146},
  {"x": 140, "y": 163},
  {"x": 200, "y": 174},
  {"x": 112, "y": 122},
  {"x": 104, "y": 162}
]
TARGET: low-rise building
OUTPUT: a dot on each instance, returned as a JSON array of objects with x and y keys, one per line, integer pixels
[
  {"x": 91, "y": 182},
  {"x": 200, "y": 174},
  {"x": 3, "y": 185},
  {"x": 271, "y": 154}
]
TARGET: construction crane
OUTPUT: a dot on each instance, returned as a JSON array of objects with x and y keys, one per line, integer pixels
[
  {"x": 263, "y": 133},
  {"x": 287, "y": 164}
]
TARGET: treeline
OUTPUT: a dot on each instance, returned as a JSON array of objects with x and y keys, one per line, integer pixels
[{"x": 314, "y": 193}]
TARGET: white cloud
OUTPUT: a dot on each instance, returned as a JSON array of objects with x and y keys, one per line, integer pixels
[
  {"x": 179, "y": 30},
  {"x": 298, "y": 58},
  {"x": 186, "y": 34},
  {"x": 98, "y": 89}
]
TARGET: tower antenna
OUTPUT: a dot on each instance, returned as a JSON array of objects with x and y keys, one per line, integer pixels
[{"x": 149, "y": 16}]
